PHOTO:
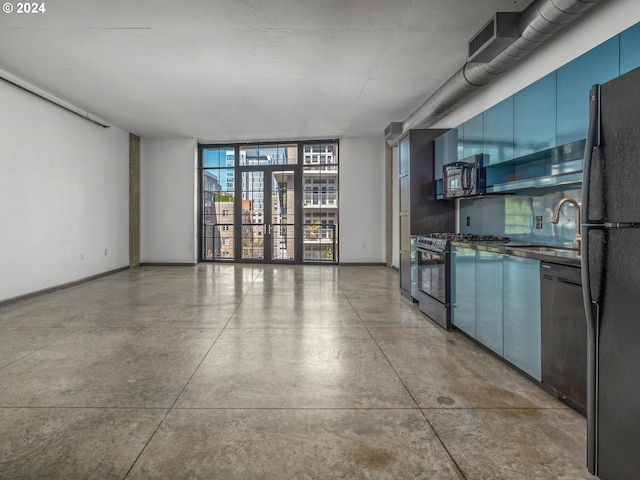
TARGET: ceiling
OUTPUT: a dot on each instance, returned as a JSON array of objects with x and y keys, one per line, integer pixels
[{"x": 245, "y": 70}]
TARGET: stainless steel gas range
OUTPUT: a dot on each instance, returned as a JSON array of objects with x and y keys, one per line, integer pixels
[{"x": 431, "y": 272}]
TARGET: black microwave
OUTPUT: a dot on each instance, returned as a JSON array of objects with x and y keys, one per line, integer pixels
[{"x": 464, "y": 178}]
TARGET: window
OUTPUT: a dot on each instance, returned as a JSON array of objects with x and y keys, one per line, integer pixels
[
  {"x": 217, "y": 174},
  {"x": 301, "y": 181},
  {"x": 320, "y": 202}
]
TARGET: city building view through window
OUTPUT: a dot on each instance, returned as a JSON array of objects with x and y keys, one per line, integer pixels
[{"x": 269, "y": 202}]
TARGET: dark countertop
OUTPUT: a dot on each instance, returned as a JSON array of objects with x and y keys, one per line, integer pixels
[{"x": 545, "y": 253}]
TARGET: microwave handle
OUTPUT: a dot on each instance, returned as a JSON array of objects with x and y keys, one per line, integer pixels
[{"x": 465, "y": 175}]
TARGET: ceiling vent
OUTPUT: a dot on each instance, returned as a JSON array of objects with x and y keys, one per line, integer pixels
[
  {"x": 497, "y": 34},
  {"x": 393, "y": 131}
]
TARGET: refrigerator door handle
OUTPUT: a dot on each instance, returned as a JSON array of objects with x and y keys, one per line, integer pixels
[
  {"x": 593, "y": 259},
  {"x": 597, "y": 127},
  {"x": 592, "y": 143}
]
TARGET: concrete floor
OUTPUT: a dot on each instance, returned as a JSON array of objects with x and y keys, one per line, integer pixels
[{"x": 263, "y": 372}]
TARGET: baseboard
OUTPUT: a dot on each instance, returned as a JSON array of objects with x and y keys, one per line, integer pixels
[
  {"x": 393, "y": 267},
  {"x": 62, "y": 286},
  {"x": 166, "y": 264},
  {"x": 362, "y": 264}
]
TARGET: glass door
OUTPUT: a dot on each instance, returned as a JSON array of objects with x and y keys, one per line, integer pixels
[
  {"x": 281, "y": 229},
  {"x": 268, "y": 220},
  {"x": 252, "y": 216}
]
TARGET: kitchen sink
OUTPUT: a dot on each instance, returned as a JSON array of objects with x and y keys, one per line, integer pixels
[
  {"x": 558, "y": 251},
  {"x": 544, "y": 248}
]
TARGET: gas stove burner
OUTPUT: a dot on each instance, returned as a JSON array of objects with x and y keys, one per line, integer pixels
[
  {"x": 446, "y": 236},
  {"x": 483, "y": 238}
]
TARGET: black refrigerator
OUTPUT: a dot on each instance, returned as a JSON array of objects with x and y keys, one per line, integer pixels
[{"x": 611, "y": 278}]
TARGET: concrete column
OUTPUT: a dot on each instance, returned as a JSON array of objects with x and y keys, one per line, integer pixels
[{"x": 134, "y": 201}]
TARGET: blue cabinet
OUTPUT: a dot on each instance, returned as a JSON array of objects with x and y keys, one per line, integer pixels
[
  {"x": 404, "y": 155},
  {"x": 463, "y": 289},
  {"x": 630, "y": 49},
  {"x": 495, "y": 299},
  {"x": 521, "y": 312},
  {"x": 446, "y": 151},
  {"x": 575, "y": 79},
  {"x": 498, "y": 131},
  {"x": 489, "y": 300},
  {"x": 534, "y": 117},
  {"x": 548, "y": 114},
  {"x": 460, "y": 141},
  {"x": 468, "y": 138},
  {"x": 473, "y": 136}
]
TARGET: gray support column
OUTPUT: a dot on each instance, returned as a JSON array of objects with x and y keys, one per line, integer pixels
[{"x": 134, "y": 201}]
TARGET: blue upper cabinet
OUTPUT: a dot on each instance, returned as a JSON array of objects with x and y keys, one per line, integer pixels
[
  {"x": 534, "y": 117},
  {"x": 460, "y": 141},
  {"x": 473, "y": 142},
  {"x": 498, "y": 132},
  {"x": 575, "y": 79},
  {"x": 446, "y": 151},
  {"x": 630, "y": 49},
  {"x": 552, "y": 112},
  {"x": 403, "y": 153}
]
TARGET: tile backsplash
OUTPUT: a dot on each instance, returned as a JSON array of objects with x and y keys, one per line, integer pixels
[{"x": 515, "y": 216}]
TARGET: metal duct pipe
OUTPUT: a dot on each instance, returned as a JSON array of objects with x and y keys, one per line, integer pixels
[{"x": 538, "y": 22}]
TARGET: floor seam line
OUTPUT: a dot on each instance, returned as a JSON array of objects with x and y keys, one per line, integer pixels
[
  {"x": 37, "y": 350},
  {"x": 189, "y": 379},
  {"x": 453, "y": 460},
  {"x": 455, "y": 464}
]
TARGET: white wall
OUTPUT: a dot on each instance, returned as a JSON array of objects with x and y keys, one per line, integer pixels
[
  {"x": 362, "y": 200},
  {"x": 168, "y": 200},
  {"x": 600, "y": 24},
  {"x": 64, "y": 196}
]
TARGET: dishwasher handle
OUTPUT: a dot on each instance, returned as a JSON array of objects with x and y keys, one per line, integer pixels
[{"x": 561, "y": 273}]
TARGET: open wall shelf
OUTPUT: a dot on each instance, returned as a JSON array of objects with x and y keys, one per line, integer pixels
[{"x": 555, "y": 166}]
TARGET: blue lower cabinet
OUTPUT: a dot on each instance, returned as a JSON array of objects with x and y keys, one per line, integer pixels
[
  {"x": 489, "y": 300},
  {"x": 521, "y": 314},
  {"x": 463, "y": 289},
  {"x": 495, "y": 299}
]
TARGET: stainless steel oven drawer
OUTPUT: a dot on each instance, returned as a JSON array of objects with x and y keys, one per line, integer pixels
[{"x": 436, "y": 311}]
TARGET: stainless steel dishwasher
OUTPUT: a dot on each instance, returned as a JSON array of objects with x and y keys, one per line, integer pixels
[{"x": 564, "y": 334}]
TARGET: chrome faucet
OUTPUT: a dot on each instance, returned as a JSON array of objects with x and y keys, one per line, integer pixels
[{"x": 577, "y": 238}]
